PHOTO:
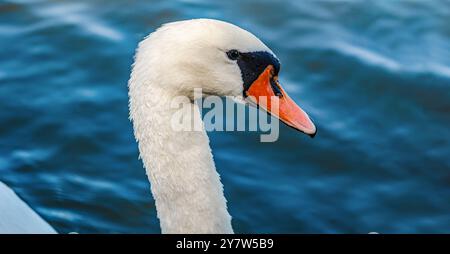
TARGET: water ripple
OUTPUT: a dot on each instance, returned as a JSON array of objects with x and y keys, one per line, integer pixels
[
  {"x": 373, "y": 75},
  {"x": 72, "y": 14}
]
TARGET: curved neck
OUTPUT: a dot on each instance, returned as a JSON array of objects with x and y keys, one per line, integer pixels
[{"x": 184, "y": 181}]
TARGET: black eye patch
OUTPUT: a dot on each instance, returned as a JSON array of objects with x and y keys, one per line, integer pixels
[{"x": 252, "y": 64}]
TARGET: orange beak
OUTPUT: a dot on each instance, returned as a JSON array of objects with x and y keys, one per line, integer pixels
[{"x": 266, "y": 92}]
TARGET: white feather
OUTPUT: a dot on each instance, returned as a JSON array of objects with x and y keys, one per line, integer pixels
[{"x": 170, "y": 62}]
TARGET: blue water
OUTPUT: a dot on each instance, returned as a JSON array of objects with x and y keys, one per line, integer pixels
[{"x": 375, "y": 77}]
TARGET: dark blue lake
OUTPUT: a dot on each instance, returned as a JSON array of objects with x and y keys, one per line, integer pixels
[{"x": 375, "y": 77}]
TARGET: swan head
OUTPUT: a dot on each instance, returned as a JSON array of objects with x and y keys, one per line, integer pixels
[{"x": 220, "y": 58}]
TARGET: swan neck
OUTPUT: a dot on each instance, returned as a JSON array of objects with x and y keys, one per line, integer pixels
[{"x": 179, "y": 164}]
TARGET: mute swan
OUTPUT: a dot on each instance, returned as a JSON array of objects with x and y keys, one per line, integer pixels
[
  {"x": 216, "y": 56},
  {"x": 223, "y": 60}
]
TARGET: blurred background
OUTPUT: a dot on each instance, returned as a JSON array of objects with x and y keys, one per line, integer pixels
[{"x": 375, "y": 77}]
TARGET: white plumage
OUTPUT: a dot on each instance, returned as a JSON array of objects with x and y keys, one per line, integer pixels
[{"x": 170, "y": 62}]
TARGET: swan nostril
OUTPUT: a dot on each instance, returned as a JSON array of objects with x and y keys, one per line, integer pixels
[{"x": 276, "y": 88}]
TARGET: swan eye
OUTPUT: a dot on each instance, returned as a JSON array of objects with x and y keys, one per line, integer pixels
[{"x": 233, "y": 54}]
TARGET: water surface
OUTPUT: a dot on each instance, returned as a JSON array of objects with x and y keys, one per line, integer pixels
[{"x": 375, "y": 77}]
